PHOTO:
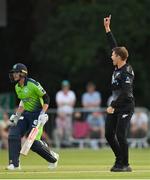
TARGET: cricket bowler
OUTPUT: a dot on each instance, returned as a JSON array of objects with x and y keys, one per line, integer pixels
[
  {"x": 34, "y": 102},
  {"x": 121, "y": 109}
]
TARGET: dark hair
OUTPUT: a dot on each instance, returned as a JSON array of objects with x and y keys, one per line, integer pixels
[{"x": 122, "y": 52}]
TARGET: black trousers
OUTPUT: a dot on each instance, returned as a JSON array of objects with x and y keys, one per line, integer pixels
[{"x": 116, "y": 128}]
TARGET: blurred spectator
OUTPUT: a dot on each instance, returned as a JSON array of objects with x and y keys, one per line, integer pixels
[
  {"x": 80, "y": 127},
  {"x": 97, "y": 130},
  {"x": 63, "y": 131},
  {"x": 65, "y": 98},
  {"x": 4, "y": 127},
  {"x": 139, "y": 125},
  {"x": 91, "y": 99}
]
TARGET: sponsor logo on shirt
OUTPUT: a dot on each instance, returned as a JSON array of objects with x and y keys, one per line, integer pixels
[{"x": 26, "y": 99}]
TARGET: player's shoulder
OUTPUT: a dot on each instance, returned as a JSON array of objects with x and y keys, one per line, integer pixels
[
  {"x": 17, "y": 87},
  {"x": 33, "y": 82},
  {"x": 128, "y": 69}
]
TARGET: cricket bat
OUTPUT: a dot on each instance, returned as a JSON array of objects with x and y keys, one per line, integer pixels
[{"x": 29, "y": 141}]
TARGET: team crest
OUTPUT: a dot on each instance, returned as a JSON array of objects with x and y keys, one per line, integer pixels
[{"x": 26, "y": 90}]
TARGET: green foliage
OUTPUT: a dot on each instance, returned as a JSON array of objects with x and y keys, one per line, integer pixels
[
  {"x": 71, "y": 38},
  {"x": 72, "y": 43}
]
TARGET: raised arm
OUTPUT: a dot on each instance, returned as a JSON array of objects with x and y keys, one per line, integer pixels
[{"x": 111, "y": 39}]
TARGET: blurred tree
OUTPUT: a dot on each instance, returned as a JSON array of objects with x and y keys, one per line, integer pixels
[
  {"x": 15, "y": 38},
  {"x": 72, "y": 44},
  {"x": 65, "y": 39}
]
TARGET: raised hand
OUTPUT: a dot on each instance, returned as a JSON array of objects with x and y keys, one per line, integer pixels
[{"x": 107, "y": 23}]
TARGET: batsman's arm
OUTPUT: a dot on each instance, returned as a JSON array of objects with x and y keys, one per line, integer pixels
[
  {"x": 42, "y": 94},
  {"x": 20, "y": 108},
  {"x": 46, "y": 101},
  {"x": 14, "y": 118}
]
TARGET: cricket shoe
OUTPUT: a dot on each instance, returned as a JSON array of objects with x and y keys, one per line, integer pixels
[
  {"x": 127, "y": 169},
  {"x": 117, "y": 168},
  {"x": 11, "y": 167},
  {"x": 54, "y": 165},
  {"x": 118, "y": 165}
]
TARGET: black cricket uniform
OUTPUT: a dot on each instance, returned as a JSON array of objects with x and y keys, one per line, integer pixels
[{"x": 123, "y": 102}]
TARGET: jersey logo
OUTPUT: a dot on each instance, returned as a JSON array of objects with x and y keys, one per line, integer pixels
[
  {"x": 117, "y": 74},
  {"x": 26, "y": 100},
  {"x": 128, "y": 80},
  {"x": 114, "y": 81},
  {"x": 124, "y": 115},
  {"x": 25, "y": 90}
]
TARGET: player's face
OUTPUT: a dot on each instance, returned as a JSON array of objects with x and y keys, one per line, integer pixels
[
  {"x": 16, "y": 76},
  {"x": 115, "y": 58}
]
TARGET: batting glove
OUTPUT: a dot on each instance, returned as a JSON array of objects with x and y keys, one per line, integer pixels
[
  {"x": 43, "y": 118},
  {"x": 14, "y": 118}
]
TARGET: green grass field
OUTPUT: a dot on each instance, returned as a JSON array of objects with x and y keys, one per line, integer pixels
[{"x": 79, "y": 164}]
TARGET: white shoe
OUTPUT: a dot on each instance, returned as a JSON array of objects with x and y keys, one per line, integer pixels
[
  {"x": 12, "y": 167},
  {"x": 53, "y": 165}
]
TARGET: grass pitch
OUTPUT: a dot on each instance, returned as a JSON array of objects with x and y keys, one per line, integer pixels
[{"x": 78, "y": 164}]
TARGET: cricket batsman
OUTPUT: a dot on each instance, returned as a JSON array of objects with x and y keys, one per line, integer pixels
[{"x": 34, "y": 102}]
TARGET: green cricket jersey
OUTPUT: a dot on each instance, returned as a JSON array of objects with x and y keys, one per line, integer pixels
[{"x": 30, "y": 94}]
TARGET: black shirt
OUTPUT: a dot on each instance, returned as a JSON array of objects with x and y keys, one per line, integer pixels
[{"x": 122, "y": 84}]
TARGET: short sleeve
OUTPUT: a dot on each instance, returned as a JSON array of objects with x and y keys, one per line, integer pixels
[{"x": 38, "y": 89}]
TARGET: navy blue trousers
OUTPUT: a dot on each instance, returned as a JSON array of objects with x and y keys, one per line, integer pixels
[{"x": 24, "y": 125}]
